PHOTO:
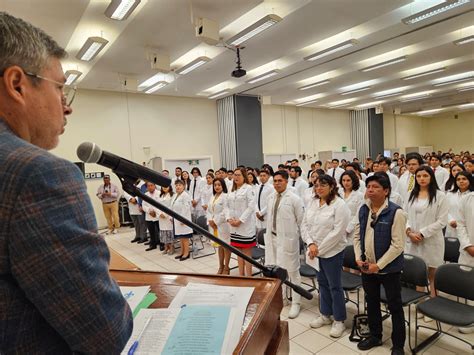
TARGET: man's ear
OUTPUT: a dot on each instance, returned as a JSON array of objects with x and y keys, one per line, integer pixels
[{"x": 14, "y": 80}]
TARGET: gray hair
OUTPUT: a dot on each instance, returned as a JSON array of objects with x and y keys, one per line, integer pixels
[{"x": 25, "y": 45}]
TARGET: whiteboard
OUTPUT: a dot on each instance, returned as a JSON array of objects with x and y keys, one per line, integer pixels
[{"x": 204, "y": 163}]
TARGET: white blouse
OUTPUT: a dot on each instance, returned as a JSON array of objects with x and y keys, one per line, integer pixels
[
  {"x": 147, "y": 208},
  {"x": 241, "y": 205}
]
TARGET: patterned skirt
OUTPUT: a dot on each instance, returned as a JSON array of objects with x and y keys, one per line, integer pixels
[
  {"x": 240, "y": 241},
  {"x": 166, "y": 236}
]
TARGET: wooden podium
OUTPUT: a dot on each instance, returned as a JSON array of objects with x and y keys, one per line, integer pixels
[{"x": 263, "y": 331}]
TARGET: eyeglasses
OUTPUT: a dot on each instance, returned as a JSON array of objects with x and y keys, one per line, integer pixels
[{"x": 69, "y": 92}]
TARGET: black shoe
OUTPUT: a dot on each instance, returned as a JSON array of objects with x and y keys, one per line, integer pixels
[
  {"x": 184, "y": 257},
  {"x": 398, "y": 351},
  {"x": 369, "y": 343},
  {"x": 150, "y": 248},
  {"x": 178, "y": 257},
  {"x": 162, "y": 247},
  {"x": 141, "y": 241},
  {"x": 135, "y": 240},
  {"x": 147, "y": 243}
]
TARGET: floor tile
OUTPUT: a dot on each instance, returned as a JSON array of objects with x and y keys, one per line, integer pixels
[{"x": 312, "y": 341}]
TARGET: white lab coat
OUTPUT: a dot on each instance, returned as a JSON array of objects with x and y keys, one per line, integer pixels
[
  {"x": 337, "y": 174},
  {"x": 393, "y": 180},
  {"x": 147, "y": 208},
  {"x": 308, "y": 196},
  {"x": 466, "y": 228},
  {"x": 403, "y": 187},
  {"x": 267, "y": 190},
  {"x": 396, "y": 198},
  {"x": 283, "y": 249},
  {"x": 241, "y": 205},
  {"x": 326, "y": 226},
  {"x": 353, "y": 202},
  {"x": 181, "y": 204},
  {"x": 300, "y": 186},
  {"x": 429, "y": 220},
  {"x": 216, "y": 211},
  {"x": 206, "y": 194},
  {"x": 229, "y": 184},
  {"x": 195, "y": 192},
  {"x": 441, "y": 175},
  {"x": 133, "y": 209},
  {"x": 166, "y": 222},
  {"x": 454, "y": 199}
]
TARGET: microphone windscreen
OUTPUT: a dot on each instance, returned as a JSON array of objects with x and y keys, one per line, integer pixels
[{"x": 89, "y": 152}]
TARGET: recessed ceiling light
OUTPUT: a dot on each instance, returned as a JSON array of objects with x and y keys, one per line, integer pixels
[
  {"x": 121, "y": 9},
  {"x": 385, "y": 64},
  {"x": 263, "y": 76},
  {"x": 429, "y": 72},
  {"x": 465, "y": 106},
  {"x": 307, "y": 103},
  {"x": 91, "y": 48},
  {"x": 151, "y": 81},
  {"x": 196, "y": 63},
  {"x": 72, "y": 76},
  {"x": 309, "y": 86},
  {"x": 452, "y": 79},
  {"x": 390, "y": 92},
  {"x": 341, "y": 103},
  {"x": 370, "y": 104},
  {"x": 465, "y": 40},
  {"x": 415, "y": 96},
  {"x": 434, "y": 11},
  {"x": 466, "y": 88},
  {"x": 328, "y": 51},
  {"x": 356, "y": 90},
  {"x": 428, "y": 112},
  {"x": 156, "y": 87},
  {"x": 253, "y": 30},
  {"x": 218, "y": 94}
]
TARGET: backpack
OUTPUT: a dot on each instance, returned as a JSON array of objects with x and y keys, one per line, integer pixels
[{"x": 360, "y": 328}]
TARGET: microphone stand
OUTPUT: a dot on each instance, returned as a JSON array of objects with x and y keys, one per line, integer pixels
[{"x": 273, "y": 271}]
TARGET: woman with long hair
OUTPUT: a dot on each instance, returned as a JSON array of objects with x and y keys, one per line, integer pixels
[
  {"x": 218, "y": 226},
  {"x": 186, "y": 179},
  {"x": 464, "y": 184},
  {"x": 427, "y": 210},
  {"x": 454, "y": 169},
  {"x": 309, "y": 193},
  {"x": 324, "y": 231},
  {"x": 349, "y": 191},
  {"x": 241, "y": 218},
  {"x": 206, "y": 192},
  {"x": 181, "y": 203}
]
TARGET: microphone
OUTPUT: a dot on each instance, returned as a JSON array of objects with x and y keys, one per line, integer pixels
[{"x": 91, "y": 153}]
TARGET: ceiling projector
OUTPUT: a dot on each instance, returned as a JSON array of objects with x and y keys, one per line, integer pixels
[{"x": 238, "y": 72}]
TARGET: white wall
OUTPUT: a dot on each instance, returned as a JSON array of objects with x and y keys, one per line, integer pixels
[
  {"x": 289, "y": 129},
  {"x": 123, "y": 124},
  {"x": 404, "y": 131}
]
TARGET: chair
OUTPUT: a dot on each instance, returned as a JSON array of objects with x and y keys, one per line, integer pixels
[
  {"x": 350, "y": 281},
  {"x": 414, "y": 274},
  {"x": 451, "y": 249},
  {"x": 201, "y": 221},
  {"x": 258, "y": 253},
  {"x": 455, "y": 280}
]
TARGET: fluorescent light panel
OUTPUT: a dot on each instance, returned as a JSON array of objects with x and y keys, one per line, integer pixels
[
  {"x": 428, "y": 112},
  {"x": 465, "y": 40},
  {"x": 429, "y": 72},
  {"x": 434, "y": 11},
  {"x": 263, "y": 76},
  {"x": 72, "y": 76},
  {"x": 309, "y": 86},
  {"x": 307, "y": 103},
  {"x": 469, "y": 105},
  {"x": 385, "y": 64},
  {"x": 196, "y": 63},
  {"x": 218, "y": 94},
  {"x": 328, "y": 51},
  {"x": 390, "y": 92},
  {"x": 370, "y": 104},
  {"x": 151, "y": 81},
  {"x": 452, "y": 79},
  {"x": 121, "y": 9},
  {"x": 253, "y": 30},
  {"x": 91, "y": 48},
  {"x": 156, "y": 87},
  {"x": 466, "y": 88},
  {"x": 356, "y": 90}
]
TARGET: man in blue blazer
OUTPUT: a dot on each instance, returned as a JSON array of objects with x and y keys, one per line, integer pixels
[{"x": 56, "y": 294}]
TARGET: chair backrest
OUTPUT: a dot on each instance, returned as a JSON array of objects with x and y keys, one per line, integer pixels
[
  {"x": 456, "y": 280},
  {"x": 349, "y": 258},
  {"x": 451, "y": 249},
  {"x": 415, "y": 272},
  {"x": 202, "y": 222},
  {"x": 261, "y": 236}
]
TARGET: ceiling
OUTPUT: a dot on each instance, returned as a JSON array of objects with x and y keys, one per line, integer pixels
[{"x": 307, "y": 27}]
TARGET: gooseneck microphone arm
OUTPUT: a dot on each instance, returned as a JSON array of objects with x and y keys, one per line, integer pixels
[{"x": 128, "y": 185}]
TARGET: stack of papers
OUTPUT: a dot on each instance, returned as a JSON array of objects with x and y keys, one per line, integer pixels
[
  {"x": 138, "y": 297},
  {"x": 201, "y": 319}
]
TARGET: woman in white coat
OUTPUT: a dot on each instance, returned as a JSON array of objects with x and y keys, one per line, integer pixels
[
  {"x": 309, "y": 193},
  {"x": 349, "y": 191},
  {"x": 324, "y": 231},
  {"x": 206, "y": 191},
  {"x": 464, "y": 185},
  {"x": 218, "y": 226},
  {"x": 240, "y": 216},
  {"x": 427, "y": 209},
  {"x": 181, "y": 204}
]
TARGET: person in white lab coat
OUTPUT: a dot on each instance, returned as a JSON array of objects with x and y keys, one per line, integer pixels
[
  {"x": 265, "y": 189},
  {"x": 229, "y": 180},
  {"x": 152, "y": 216},
  {"x": 441, "y": 174},
  {"x": 282, "y": 237},
  {"x": 394, "y": 195},
  {"x": 324, "y": 232},
  {"x": 166, "y": 222},
  {"x": 355, "y": 167},
  {"x": 186, "y": 179},
  {"x": 181, "y": 204},
  {"x": 216, "y": 218},
  {"x": 406, "y": 183},
  {"x": 297, "y": 181},
  {"x": 464, "y": 185},
  {"x": 195, "y": 191},
  {"x": 253, "y": 181},
  {"x": 240, "y": 216},
  {"x": 349, "y": 191},
  {"x": 335, "y": 171},
  {"x": 453, "y": 171},
  {"x": 384, "y": 165},
  {"x": 309, "y": 193},
  {"x": 206, "y": 191},
  {"x": 427, "y": 210}
]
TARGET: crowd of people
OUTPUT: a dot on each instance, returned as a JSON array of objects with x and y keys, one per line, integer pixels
[{"x": 411, "y": 202}]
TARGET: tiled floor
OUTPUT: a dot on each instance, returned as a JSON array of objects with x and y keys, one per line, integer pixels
[{"x": 303, "y": 339}]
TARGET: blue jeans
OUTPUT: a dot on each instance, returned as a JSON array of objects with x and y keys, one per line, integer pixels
[{"x": 332, "y": 302}]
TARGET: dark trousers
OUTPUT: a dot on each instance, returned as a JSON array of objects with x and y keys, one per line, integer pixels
[
  {"x": 154, "y": 229},
  {"x": 391, "y": 284},
  {"x": 140, "y": 226}
]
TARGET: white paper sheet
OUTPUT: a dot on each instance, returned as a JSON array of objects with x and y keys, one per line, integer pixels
[
  {"x": 312, "y": 262},
  {"x": 134, "y": 295}
]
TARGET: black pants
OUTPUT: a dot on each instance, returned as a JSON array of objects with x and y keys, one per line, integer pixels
[
  {"x": 391, "y": 284},
  {"x": 154, "y": 229}
]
